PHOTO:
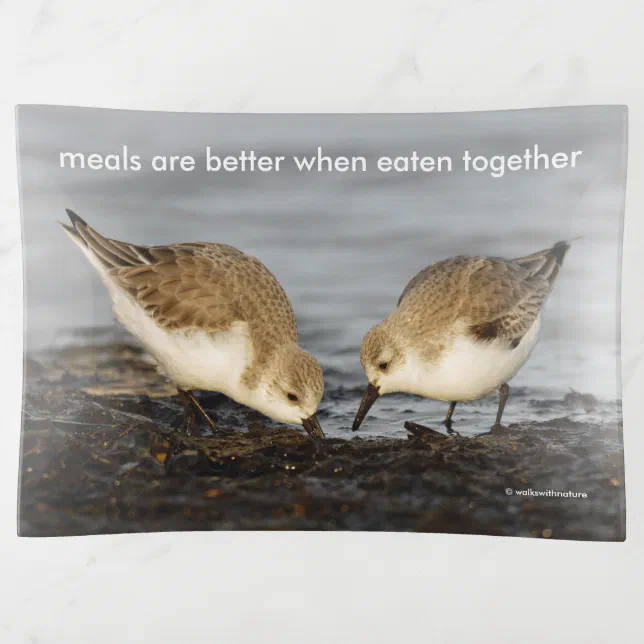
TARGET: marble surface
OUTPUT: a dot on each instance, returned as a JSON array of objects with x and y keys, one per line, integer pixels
[{"x": 349, "y": 56}]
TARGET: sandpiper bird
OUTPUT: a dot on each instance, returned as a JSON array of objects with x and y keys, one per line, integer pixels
[
  {"x": 213, "y": 318},
  {"x": 463, "y": 328}
]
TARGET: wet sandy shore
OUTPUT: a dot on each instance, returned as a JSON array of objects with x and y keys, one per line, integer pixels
[{"x": 99, "y": 423}]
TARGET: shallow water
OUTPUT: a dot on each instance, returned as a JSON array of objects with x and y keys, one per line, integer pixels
[
  {"x": 344, "y": 245},
  {"x": 344, "y": 389}
]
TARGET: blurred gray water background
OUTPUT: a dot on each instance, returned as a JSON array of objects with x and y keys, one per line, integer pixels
[{"x": 343, "y": 245}]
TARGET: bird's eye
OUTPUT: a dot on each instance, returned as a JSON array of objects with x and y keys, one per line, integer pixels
[
  {"x": 383, "y": 366},
  {"x": 292, "y": 397}
]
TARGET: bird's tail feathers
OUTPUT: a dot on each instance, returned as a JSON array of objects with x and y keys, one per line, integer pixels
[
  {"x": 546, "y": 263},
  {"x": 104, "y": 253}
]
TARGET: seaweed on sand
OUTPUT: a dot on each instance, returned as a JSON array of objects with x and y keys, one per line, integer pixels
[{"x": 98, "y": 425}]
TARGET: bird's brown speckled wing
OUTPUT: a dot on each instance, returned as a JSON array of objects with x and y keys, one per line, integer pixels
[
  {"x": 495, "y": 298},
  {"x": 197, "y": 285},
  {"x": 505, "y": 302}
]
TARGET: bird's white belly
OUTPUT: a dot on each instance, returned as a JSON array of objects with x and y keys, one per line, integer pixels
[
  {"x": 472, "y": 370},
  {"x": 192, "y": 360}
]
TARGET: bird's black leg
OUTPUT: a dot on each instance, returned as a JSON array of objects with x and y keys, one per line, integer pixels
[
  {"x": 204, "y": 414},
  {"x": 189, "y": 425},
  {"x": 504, "y": 392},
  {"x": 448, "y": 419}
]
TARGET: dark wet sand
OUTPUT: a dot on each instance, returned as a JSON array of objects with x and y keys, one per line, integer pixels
[{"x": 98, "y": 424}]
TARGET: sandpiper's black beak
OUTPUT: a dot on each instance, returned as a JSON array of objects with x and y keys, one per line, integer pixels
[
  {"x": 370, "y": 397},
  {"x": 312, "y": 427}
]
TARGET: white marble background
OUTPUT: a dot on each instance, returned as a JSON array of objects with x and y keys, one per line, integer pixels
[{"x": 354, "y": 56}]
